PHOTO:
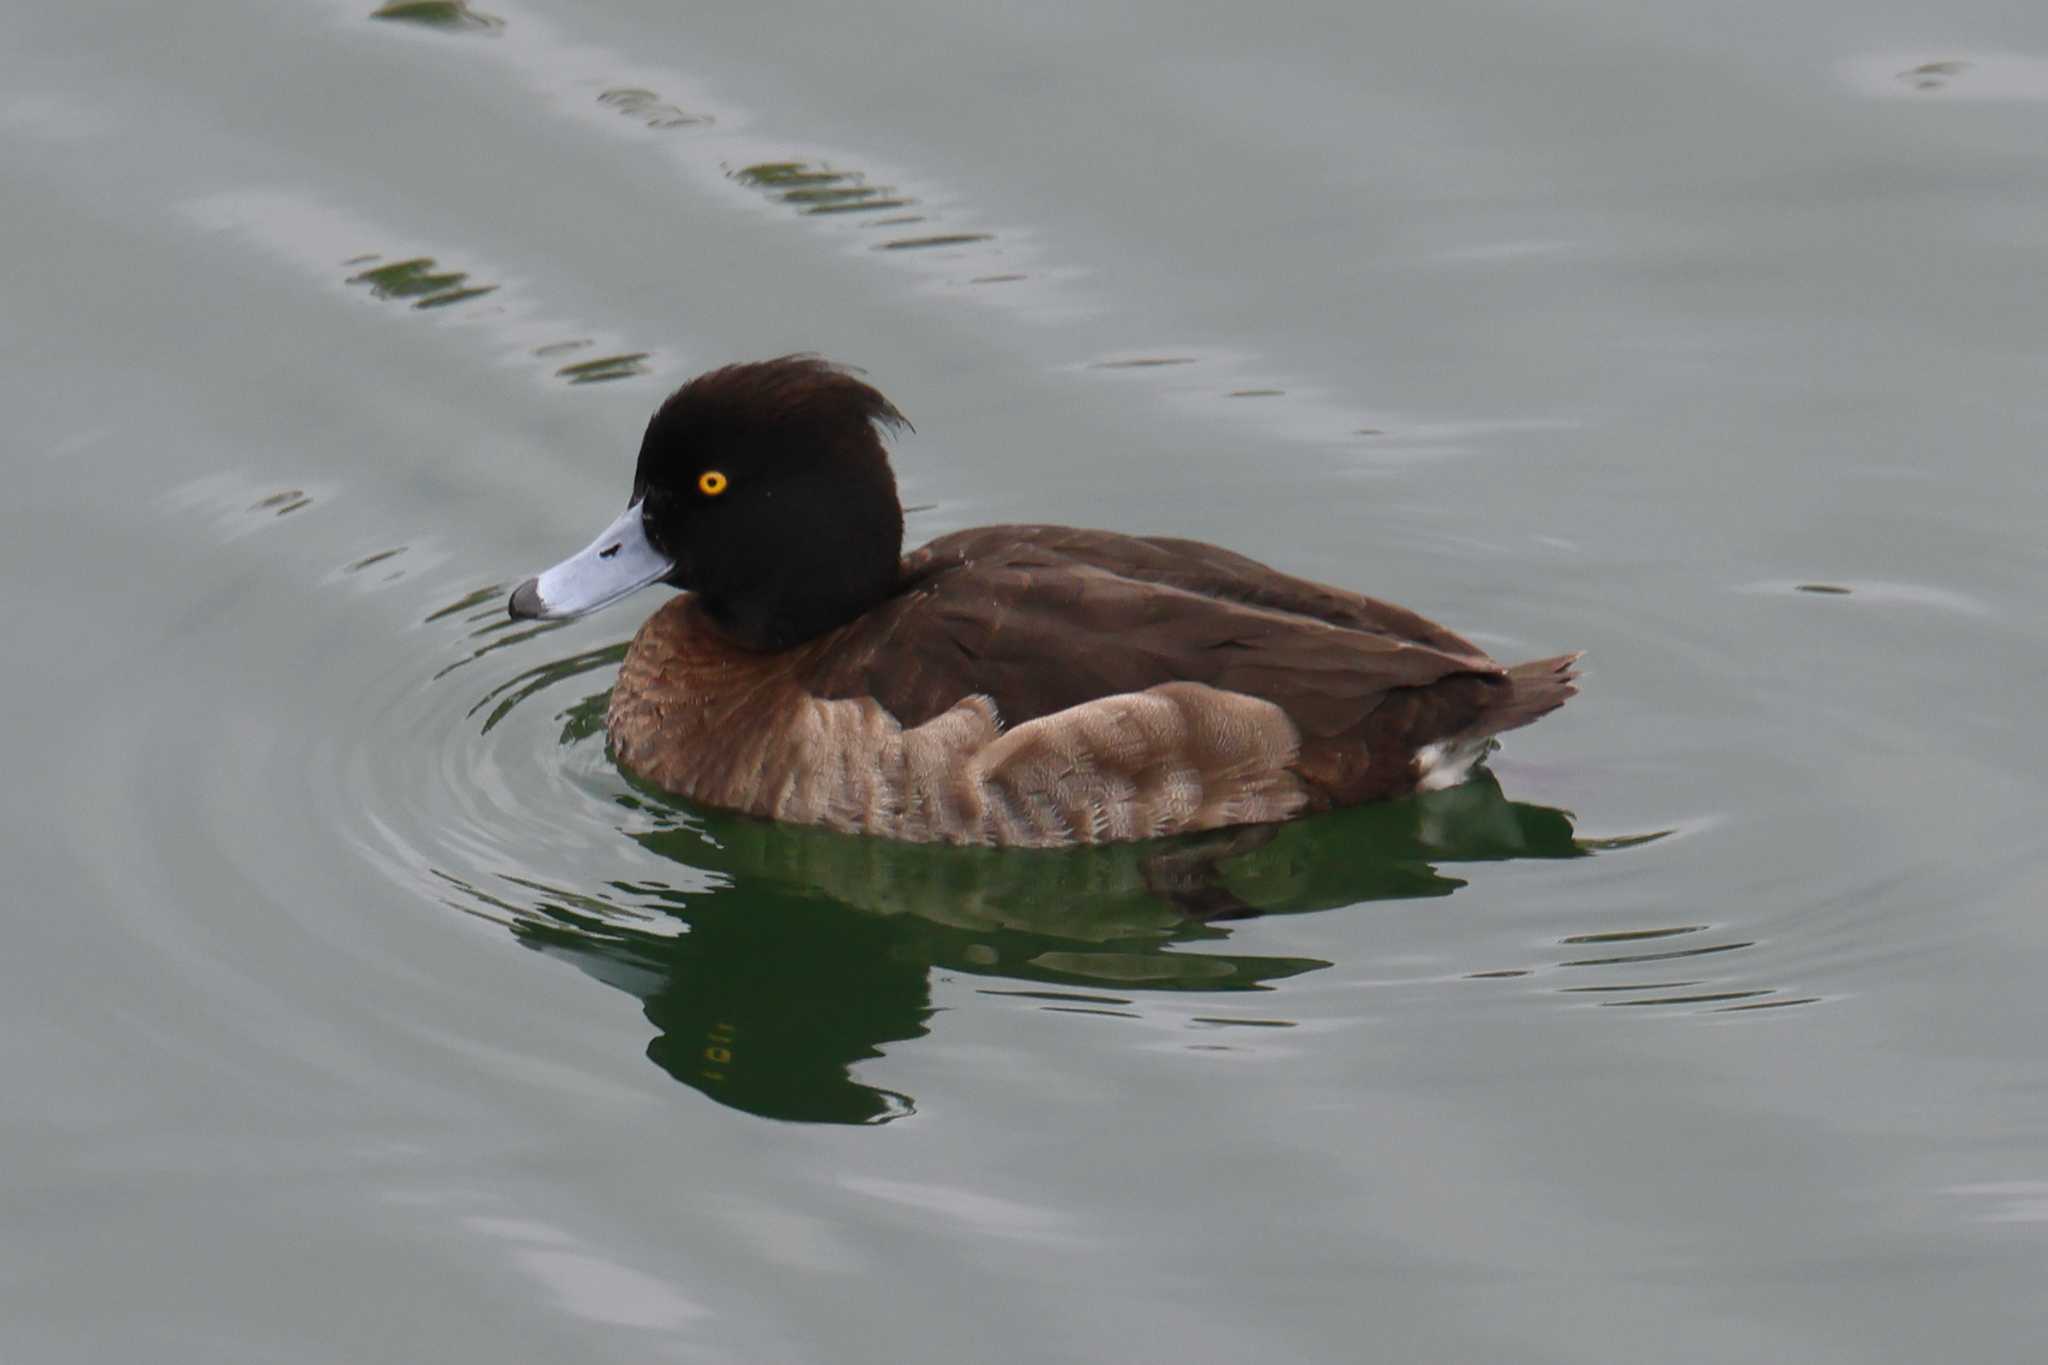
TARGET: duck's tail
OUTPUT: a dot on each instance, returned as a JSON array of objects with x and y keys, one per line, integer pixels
[{"x": 1541, "y": 686}]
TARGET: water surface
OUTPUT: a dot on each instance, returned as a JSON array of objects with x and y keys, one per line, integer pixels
[{"x": 358, "y": 1008}]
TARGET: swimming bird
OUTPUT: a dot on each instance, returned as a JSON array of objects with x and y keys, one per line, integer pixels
[{"x": 1036, "y": 686}]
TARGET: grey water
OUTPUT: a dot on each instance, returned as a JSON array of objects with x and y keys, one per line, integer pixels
[{"x": 354, "y": 1007}]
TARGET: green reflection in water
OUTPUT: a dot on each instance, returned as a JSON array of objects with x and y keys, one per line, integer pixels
[
  {"x": 814, "y": 951},
  {"x": 937, "y": 239},
  {"x": 418, "y": 279},
  {"x": 426, "y": 284},
  {"x": 453, "y": 296},
  {"x": 815, "y": 189},
  {"x": 469, "y": 602},
  {"x": 450, "y": 16},
  {"x": 283, "y": 503},
  {"x": 650, "y": 108},
  {"x": 606, "y": 368}
]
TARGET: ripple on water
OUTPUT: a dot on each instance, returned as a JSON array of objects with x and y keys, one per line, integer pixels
[
  {"x": 651, "y": 109},
  {"x": 1214, "y": 382},
  {"x": 1953, "y": 75},
  {"x": 776, "y": 963},
  {"x": 425, "y": 284},
  {"x": 604, "y": 369},
  {"x": 447, "y": 16},
  {"x": 419, "y": 281},
  {"x": 1880, "y": 592},
  {"x": 319, "y": 238},
  {"x": 817, "y": 190}
]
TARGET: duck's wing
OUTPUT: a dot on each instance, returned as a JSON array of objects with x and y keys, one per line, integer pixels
[
  {"x": 1213, "y": 571},
  {"x": 1040, "y": 619}
]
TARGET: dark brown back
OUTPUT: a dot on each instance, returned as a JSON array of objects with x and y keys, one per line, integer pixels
[{"x": 1041, "y": 618}]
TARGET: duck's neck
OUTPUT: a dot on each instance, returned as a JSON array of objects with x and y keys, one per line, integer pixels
[
  {"x": 836, "y": 556},
  {"x": 779, "y": 615}
]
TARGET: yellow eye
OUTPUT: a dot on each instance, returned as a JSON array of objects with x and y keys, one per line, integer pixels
[{"x": 711, "y": 483}]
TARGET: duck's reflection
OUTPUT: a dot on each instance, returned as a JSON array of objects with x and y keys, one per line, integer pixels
[{"x": 818, "y": 948}]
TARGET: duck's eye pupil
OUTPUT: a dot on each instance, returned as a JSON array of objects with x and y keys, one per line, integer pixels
[{"x": 711, "y": 483}]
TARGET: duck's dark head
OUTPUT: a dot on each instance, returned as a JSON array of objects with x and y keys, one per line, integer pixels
[{"x": 764, "y": 489}]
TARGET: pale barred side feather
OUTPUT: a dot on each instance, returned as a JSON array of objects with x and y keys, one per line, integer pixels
[
  {"x": 1143, "y": 764},
  {"x": 1173, "y": 759}
]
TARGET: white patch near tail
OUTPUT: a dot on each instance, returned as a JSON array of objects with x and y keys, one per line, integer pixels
[{"x": 1448, "y": 762}]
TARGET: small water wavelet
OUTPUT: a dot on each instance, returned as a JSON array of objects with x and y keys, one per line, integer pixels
[
  {"x": 651, "y": 109},
  {"x": 447, "y": 16},
  {"x": 419, "y": 281},
  {"x": 1946, "y": 76},
  {"x": 324, "y": 239}
]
